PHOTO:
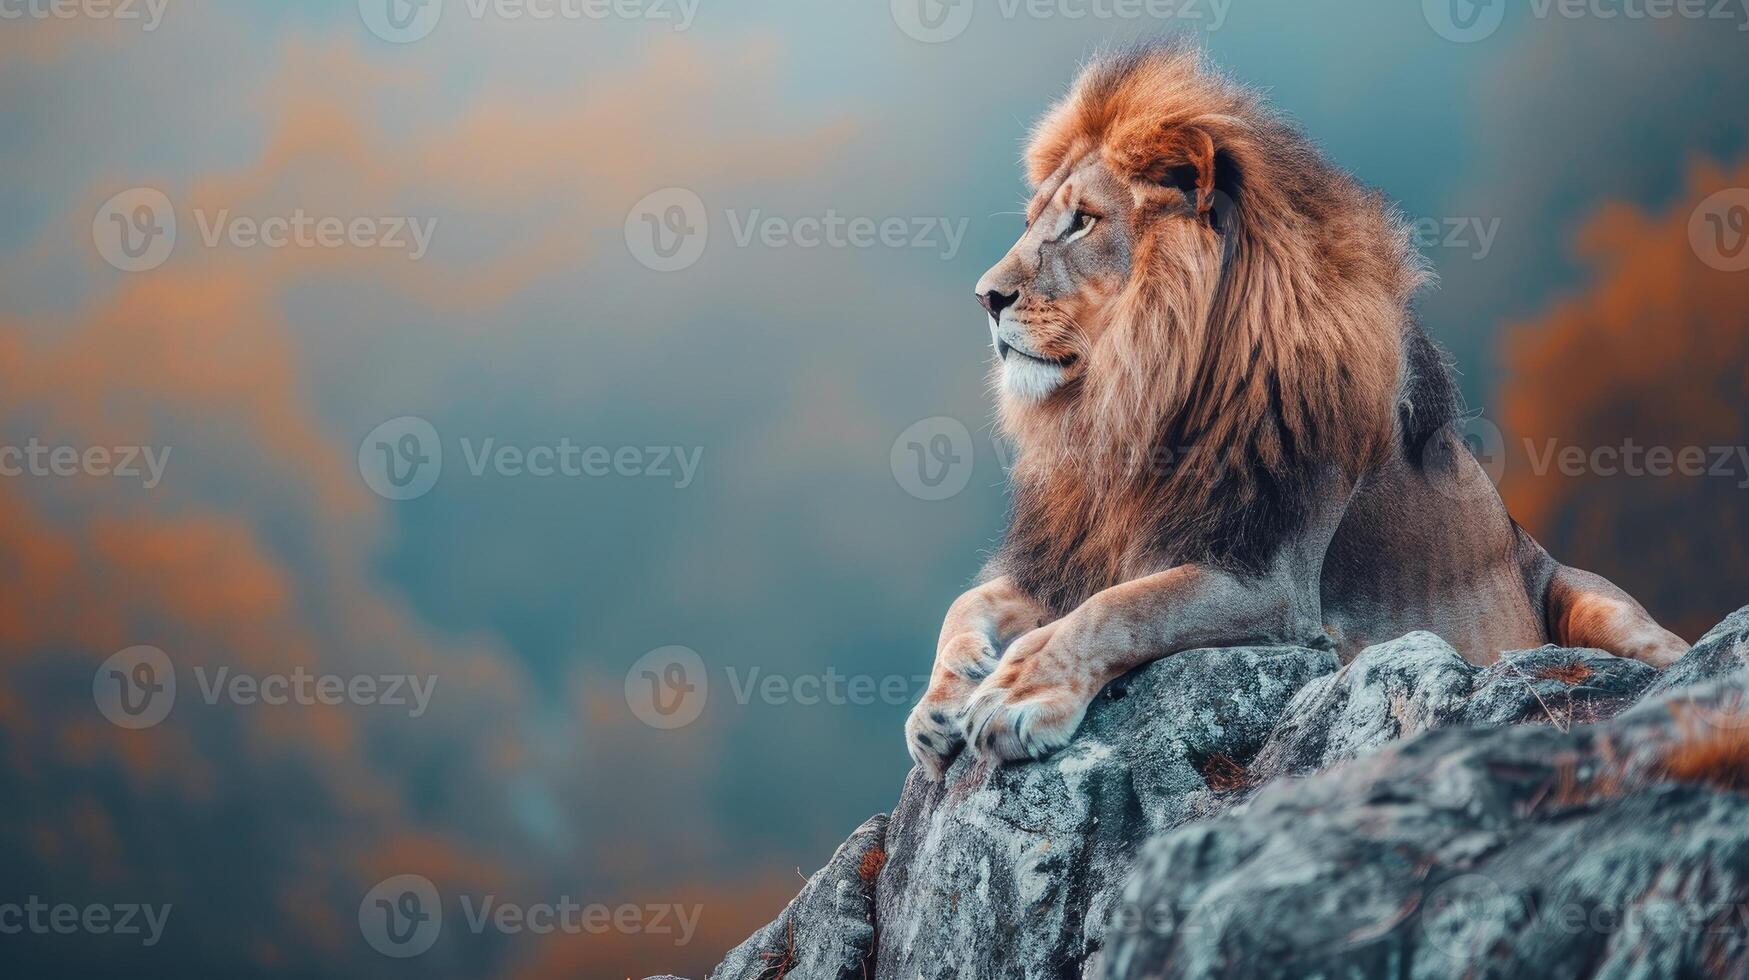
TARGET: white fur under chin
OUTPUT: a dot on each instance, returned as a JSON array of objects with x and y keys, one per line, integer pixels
[{"x": 1029, "y": 380}]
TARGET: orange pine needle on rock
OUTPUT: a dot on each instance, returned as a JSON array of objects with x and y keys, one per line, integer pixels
[
  {"x": 872, "y": 862},
  {"x": 1715, "y": 755},
  {"x": 1571, "y": 674},
  {"x": 1223, "y": 774}
]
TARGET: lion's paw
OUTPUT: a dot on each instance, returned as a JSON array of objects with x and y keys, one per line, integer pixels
[
  {"x": 1007, "y": 728},
  {"x": 934, "y": 734}
]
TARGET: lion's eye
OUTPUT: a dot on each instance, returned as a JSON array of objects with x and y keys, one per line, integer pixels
[{"x": 1079, "y": 226}]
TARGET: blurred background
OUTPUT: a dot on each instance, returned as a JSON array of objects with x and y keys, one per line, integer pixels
[{"x": 480, "y": 479}]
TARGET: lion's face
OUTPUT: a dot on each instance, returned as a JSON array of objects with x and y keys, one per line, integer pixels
[
  {"x": 1052, "y": 297},
  {"x": 1045, "y": 297}
]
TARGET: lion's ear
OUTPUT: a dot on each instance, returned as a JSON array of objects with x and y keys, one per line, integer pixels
[{"x": 1204, "y": 173}]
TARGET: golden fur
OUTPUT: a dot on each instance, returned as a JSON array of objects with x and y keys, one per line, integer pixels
[{"x": 1232, "y": 360}]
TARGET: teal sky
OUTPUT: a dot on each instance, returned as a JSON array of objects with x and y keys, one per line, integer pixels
[{"x": 792, "y": 371}]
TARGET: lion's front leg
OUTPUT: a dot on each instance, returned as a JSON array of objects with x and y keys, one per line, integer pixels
[
  {"x": 977, "y": 628},
  {"x": 1588, "y": 610},
  {"x": 1032, "y": 704}
]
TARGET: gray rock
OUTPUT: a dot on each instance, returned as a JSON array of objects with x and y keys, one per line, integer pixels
[
  {"x": 1001, "y": 871},
  {"x": 1723, "y": 651},
  {"x": 1405, "y": 815},
  {"x": 1419, "y": 683},
  {"x": 1409, "y": 684},
  {"x": 827, "y": 932},
  {"x": 1514, "y": 852},
  {"x": 1555, "y": 686}
]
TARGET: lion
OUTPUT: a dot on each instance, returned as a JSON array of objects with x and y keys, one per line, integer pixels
[{"x": 1229, "y": 426}]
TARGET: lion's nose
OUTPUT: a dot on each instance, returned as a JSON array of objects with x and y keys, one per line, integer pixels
[{"x": 995, "y": 301}]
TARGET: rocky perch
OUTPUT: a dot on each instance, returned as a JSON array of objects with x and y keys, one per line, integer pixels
[{"x": 1269, "y": 812}]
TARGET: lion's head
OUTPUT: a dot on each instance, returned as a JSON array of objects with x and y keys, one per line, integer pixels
[{"x": 1201, "y": 310}]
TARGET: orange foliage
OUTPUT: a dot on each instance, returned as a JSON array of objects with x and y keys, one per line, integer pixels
[
  {"x": 1653, "y": 353},
  {"x": 1223, "y": 774},
  {"x": 1571, "y": 674},
  {"x": 1716, "y": 756}
]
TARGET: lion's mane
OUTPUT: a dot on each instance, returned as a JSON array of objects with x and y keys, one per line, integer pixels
[{"x": 1218, "y": 399}]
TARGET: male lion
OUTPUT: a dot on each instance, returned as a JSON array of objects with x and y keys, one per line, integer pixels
[{"x": 1230, "y": 428}]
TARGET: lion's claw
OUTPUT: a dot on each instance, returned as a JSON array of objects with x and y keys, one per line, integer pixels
[
  {"x": 1008, "y": 730},
  {"x": 934, "y": 736}
]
